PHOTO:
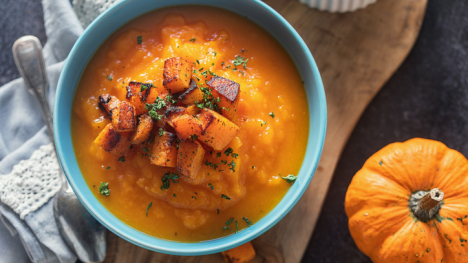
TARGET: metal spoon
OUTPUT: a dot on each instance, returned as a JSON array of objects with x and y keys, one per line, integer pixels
[{"x": 83, "y": 234}]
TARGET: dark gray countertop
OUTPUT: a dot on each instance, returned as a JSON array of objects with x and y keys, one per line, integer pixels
[{"x": 427, "y": 97}]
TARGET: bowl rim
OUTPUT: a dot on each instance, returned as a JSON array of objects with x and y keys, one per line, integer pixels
[{"x": 223, "y": 243}]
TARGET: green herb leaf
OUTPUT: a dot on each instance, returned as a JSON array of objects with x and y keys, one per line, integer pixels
[
  {"x": 193, "y": 40},
  {"x": 121, "y": 159},
  {"x": 109, "y": 78},
  {"x": 139, "y": 40},
  {"x": 228, "y": 151},
  {"x": 152, "y": 139},
  {"x": 228, "y": 223},
  {"x": 167, "y": 178},
  {"x": 225, "y": 197},
  {"x": 290, "y": 178},
  {"x": 232, "y": 166},
  {"x": 161, "y": 132},
  {"x": 108, "y": 167},
  {"x": 145, "y": 149},
  {"x": 144, "y": 86},
  {"x": 104, "y": 189},
  {"x": 149, "y": 206},
  {"x": 246, "y": 219},
  {"x": 272, "y": 114},
  {"x": 240, "y": 61},
  {"x": 211, "y": 186}
]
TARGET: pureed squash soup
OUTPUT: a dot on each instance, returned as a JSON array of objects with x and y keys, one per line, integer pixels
[{"x": 189, "y": 195}]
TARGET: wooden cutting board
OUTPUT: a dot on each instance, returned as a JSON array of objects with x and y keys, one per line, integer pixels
[{"x": 356, "y": 54}]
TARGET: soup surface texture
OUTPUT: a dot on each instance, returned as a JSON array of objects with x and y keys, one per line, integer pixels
[{"x": 272, "y": 115}]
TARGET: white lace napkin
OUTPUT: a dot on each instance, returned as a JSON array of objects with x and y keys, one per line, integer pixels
[{"x": 32, "y": 182}]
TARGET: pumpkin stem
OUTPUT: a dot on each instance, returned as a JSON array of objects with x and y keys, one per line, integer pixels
[{"x": 426, "y": 205}]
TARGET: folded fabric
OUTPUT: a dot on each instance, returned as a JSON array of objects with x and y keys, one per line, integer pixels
[{"x": 22, "y": 133}]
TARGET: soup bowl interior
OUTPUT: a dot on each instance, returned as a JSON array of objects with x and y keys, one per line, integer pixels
[{"x": 125, "y": 11}]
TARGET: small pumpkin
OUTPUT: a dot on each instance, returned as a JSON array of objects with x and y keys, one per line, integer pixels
[{"x": 409, "y": 203}]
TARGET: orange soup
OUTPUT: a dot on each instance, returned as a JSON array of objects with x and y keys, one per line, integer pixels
[{"x": 235, "y": 186}]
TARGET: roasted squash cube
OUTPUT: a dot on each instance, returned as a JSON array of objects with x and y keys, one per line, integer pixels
[
  {"x": 112, "y": 141},
  {"x": 218, "y": 131},
  {"x": 190, "y": 158},
  {"x": 107, "y": 103},
  {"x": 164, "y": 150},
  {"x": 241, "y": 254},
  {"x": 228, "y": 92},
  {"x": 138, "y": 94},
  {"x": 177, "y": 74},
  {"x": 143, "y": 129},
  {"x": 124, "y": 117},
  {"x": 187, "y": 126},
  {"x": 192, "y": 95},
  {"x": 173, "y": 112}
]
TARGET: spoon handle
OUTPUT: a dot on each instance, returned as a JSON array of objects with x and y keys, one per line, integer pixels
[{"x": 27, "y": 52}]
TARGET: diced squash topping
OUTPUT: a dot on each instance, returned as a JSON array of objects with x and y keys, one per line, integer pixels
[
  {"x": 164, "y": 150},
  {"x": 108, "y": 102},
  {"x": 218, "y": 131},
  {"x": 190, "y": 158},
  {"x": 143, "y": 130},
  {"x": 228, "y": 92},
  {"x": 112, "y": 141},
  {"x": 192, "y": 95},
  {"x": 174, "y": 112},
  {"x": 138, "y": 93},
  {"x": 240, "y": 254},
  {"x": 187, "y": 126},
  {"x": 177, "y": 74},
  {"x": 124, "y": 117}
]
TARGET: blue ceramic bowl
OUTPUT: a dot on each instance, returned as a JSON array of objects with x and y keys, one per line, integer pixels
[{"x": 120, "y": 14}]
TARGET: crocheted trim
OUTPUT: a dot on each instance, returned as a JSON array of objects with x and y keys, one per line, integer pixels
[
  {"x": 32, "y": 182},
  {"x": 88, "y": 10}
]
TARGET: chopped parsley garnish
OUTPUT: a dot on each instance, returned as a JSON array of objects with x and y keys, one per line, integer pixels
[
  {"x": 290, "y": 178},
  {"x": 272, "y": 114},
  {"x": 121, "y": 159},
  {"x": 139, "y": 40},
  {"x": 240, "y": 61},
  {"x": 149, "y": 206},
  {"x": 161, "y": 132},
  {"x": 263, "y": 123},
  {"x": 167, "y": 178},
  {"x": 232, "y": 166},
  {"x": 198, "y": 62},
  {"x": 193, "y": 137},
  {"x": 108, "y": 167},
  {"x": 231, "y": 219},
  {"x": 235, "y": 155},
  {"x": 218, "y": 155},
  {"x": 174, "y": 195},
  {"x": 145, "y": 149},
  {"x": 152, "y": 139},
  {"x": 225, "y": 197},
  {"x": 211, "y": 186},
  {"x": 228, "y": 151},
  {"x": 193, "y": 40},
  {"x": 109, "y": 78},
  {"x": 246, "y": 219},
  {"x": 208, "y": 101},
  {"x": 214, "y": 53},
  {"x": 153, "y": 108},
  {"x": 193, "y": 197},
  {"x": 104, "y": 189},
  {"x": 144, "y": 86},
  {"x": 177, "y": 141},
  {"x": 253, "y": 167}
]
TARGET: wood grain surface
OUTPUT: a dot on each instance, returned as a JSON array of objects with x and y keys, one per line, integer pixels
[{"x": 356, "y": 54}]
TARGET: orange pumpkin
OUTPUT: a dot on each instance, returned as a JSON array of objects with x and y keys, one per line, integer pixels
[{"x": 409, "y": 203}]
